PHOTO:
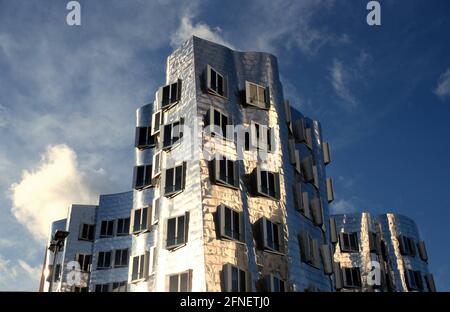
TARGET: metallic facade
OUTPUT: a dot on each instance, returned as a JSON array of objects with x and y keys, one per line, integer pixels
[
  {"x": 395, "y": 264},
  {"x": 284, "y": 239}
]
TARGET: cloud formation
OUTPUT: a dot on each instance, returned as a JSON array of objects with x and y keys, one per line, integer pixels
[
  {"x": 44, "y": 193},
  {"x": 443, "y": 87},
  {"x": 340, "y": 78},
  {"x": 18, "y": 275},
  {"x": 202, "y": 30},
  {"x": 343, "y": 206}
]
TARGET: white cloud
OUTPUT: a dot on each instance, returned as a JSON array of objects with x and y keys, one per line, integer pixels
[
  {"x": 186, "y": 30},
  {"x": 18, "y": 275},
  {"x": 44, "y": 194},
  {"x": 340, "y": 78},
  {"x": 443, "y": 87},
  {"x": 343, "y": 206}
]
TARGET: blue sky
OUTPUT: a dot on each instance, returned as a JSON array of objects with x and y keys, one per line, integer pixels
[{"x": 68, "y": 97}]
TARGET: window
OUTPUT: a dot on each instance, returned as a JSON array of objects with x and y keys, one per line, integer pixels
[
  {"x": 142, "y": 176},
  {"x": 140, "y": 267},
  {"x": 119, "y": 286},
  {"x": 330, "y": 190},
  {"x": 86, "y": 232},
  {"x": 156, "y": 165},
  {"x": 333, "y": 231},
  {"x": 231, "y": 223},
  {"x": 414, "y": 280},
  {"x": 422, "y": 251},
  {"x": 317, "y": 211},
  {"x": 141, "y": 219},
  {"x": 217, "y": 123},
  {"x": 155, "y": 210},
  {"x": 307, "y": 169},
  {"x": 180, "y": 282},
  {"x": 57, "y": 274},
  {"x": 120, "y": 258},
  {"x": 300, "y": 130},
  {"x": 157, "y": 120},
  {"x": 349, "y": 242},
  {"x": 174, "y": 180},
  {"x": 430, "y": 282},
  {"x": 373, "y": 239},
  {"x": 407, "y": 246},
  {"x": 309, "y": 250},
  {"x": 144, "y": 139},
  {"x": 274, "y": 284},
  {"x": 177, "y": 231},
  {"x": 102, "y": 288},
  {"x": 327, "y": 258},
  {"x": 256, "y": 95},
  {"x": 170, "y": 94},
  {"x": 104, "y": 260},
  {"x": 215, "y": 82},
  {"x": 351, "y": 277},
  {"x": 225, "y": 172},
  {"x": 326, "y": 153},
  {"x": 266, "y": 183},
  {"x": 301, "y": 200},
  {"x": 172, "y": 134},
  {"x": 271, "y": 235},
  {"x": 84, "y": 261},
  {"x": 123, "y": 226},
  {"x": 234, "y": 279},
  {"x": 261, "y": 137},
  {"x": 107, "y": 228},
  {"x": 80, "y": 289}
]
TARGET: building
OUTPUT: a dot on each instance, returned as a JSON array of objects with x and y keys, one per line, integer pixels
[
  {"x": 218, "y": 192},
  {"x": 95, "y": 253},
  {"x": 388, "y": 242},
  {"x": 230, "y": 191}
]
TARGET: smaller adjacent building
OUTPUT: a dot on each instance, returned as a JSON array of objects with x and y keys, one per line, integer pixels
[
  {"x": 95, "y": 254},
  {"x": 379, "y": 253}
]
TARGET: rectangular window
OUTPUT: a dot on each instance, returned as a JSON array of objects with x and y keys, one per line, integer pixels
[
  {"x": 261, "y": 138},
  {"x": 348, "y": 242},
  {"x": 266, "y": 183},
  {"x": 157, "y": 119},
  {"x": 104, "y": 260},
  {"x": 120, "y": 258},
  {"x": 231, "y": 223},
  {"x": 217, "y": 123},
  {"x": 85, "y": 262},
  {"x": 180, "y": 282},
  {"x": 422, "y": 251},
  {"x": 373, "y": 239},
  {"x": 174, "y": 180},
  {"x": 156, "y": 165},
  {"x": 307, "y": 169},
  {"x": 272, "y": 236},
  {"x": 86, "y": 232},
  {"x": 141, "y": 219},
  {"x": 317, "y": 211},
  {"x": 414, "y": 280},
  {"x": 215, "y": 82},
  {"x": 351, "y": 277},
  {"x": 144, "y": 138},
  {"x": 225, "y": 172},
  {"x": 142, "y": 176},
  {"x": 140, "y": 267},
  {"x": 309, "y": 250},
  {"x": 407, "y": 246},
  {"x": 234, "y": 279},
  {"x": 326, "y": 153},
  {"x": 301, "y": 199},
  {"x": 119, "y": 286},
  {"x": 177, "y": 231},
  {"x": 123, "y": 226},
  {"x": 172, "y": 134},
  {"x": 257, "y": 95},
  {"x": 274, "y": 284},
  {"x": 102, "y": 288},
  {"x": 107, "y": 228},
  {"x": 330, "y": 190},
  {"x": 170, "y": 94}
]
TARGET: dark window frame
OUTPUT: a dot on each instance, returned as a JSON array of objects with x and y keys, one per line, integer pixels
[
  {"x": 174, "y": 180},
  {"x": 349, "y": 242},
  {"x": 87, "y": 232},
  {"x": 121, "y": 257},
  {"x": 144, "y": 138},
  {"x": 231, "y": 223},
  {"x": 216, "y": 83},
  {"x": 142, "y": 177},
  {"x": 123, "y": 226},
  {"x": 104, "y": 260},
  {"x": 107, "y": 228},
  {"x": 173, "y": 239}
]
